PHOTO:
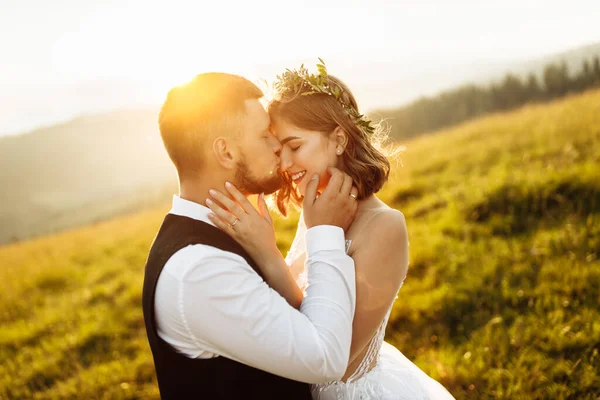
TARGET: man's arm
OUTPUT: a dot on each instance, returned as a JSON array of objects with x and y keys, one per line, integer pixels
[{"x": 225, "y": 308}]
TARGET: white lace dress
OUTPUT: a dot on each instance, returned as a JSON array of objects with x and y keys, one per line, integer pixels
[{"x": 393, "y": 377}]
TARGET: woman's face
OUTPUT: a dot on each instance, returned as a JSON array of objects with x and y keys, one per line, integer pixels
[{"x": 305, "y": 153}]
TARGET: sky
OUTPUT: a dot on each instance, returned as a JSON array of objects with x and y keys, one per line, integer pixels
[{"x": 63, "y": 58}]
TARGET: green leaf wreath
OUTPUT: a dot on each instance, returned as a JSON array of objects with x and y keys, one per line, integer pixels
[{"x": 302, "y": 82}]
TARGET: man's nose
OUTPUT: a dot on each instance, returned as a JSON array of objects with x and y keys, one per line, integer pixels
[
  {"x": 286, "y": 162},
  {"x": 276, "y": 146}
]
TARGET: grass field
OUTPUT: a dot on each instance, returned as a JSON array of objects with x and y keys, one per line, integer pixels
[{"x": 501, "y": 302}]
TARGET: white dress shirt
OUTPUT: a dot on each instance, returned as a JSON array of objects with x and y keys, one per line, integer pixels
[{"x": 210, "y": 303}]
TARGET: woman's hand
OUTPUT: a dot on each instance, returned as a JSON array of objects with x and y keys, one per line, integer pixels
[{"x": 251, "y": 228}]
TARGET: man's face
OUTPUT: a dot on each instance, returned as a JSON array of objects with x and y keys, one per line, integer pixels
[{"x": 258, "y": 168}]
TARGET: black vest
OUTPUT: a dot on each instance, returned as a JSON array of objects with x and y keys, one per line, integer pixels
[{"x": 180, "y": 377}]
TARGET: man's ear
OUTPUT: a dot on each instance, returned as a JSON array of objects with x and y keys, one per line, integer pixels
[{"x": 224, "y": 152}]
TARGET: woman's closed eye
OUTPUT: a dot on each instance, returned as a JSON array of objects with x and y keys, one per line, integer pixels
[{"x": 294, "y": 148}]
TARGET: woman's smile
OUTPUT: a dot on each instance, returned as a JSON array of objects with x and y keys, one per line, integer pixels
[{"x": 297, "y": 177}]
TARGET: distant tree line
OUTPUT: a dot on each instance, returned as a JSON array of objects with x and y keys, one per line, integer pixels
[{"x": 469, "y": 101}]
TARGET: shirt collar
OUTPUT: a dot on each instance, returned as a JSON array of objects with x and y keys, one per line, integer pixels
[{"x": 190, "y": 209}]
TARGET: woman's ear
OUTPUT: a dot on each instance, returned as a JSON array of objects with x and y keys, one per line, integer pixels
[
  {"x": 341, "y": 140},
  {"x": 224, "y": 153}
]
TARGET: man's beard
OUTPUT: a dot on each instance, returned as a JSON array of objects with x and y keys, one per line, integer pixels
[{"x": 247, "y": 183}]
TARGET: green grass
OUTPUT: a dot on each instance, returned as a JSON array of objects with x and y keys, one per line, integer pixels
[{"x": 501, "y": 301}]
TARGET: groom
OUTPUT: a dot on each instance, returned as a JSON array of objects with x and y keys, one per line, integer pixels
[{"x": 216, "y": 329}]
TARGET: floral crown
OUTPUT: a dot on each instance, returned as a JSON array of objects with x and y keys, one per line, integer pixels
[{"x": 301, "y": 82}]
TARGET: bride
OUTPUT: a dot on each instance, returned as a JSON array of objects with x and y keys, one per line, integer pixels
[{"x": 316, "y": 119}]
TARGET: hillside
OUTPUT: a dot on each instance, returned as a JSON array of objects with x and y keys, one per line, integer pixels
[
  {"x": 98, "y": 166},
  {"x": 501, "y": 300},
  {"x": 78, "y": 172}
]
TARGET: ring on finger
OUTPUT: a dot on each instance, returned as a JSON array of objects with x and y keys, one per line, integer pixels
[
  {"x": 234, "y": 222},
  {"x": 353, "y": 195}
]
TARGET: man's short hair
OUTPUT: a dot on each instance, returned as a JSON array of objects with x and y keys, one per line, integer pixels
[{"x": 209, "y": 106}]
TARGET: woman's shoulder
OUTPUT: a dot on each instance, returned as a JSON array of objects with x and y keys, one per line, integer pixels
[
  {"x": 387, "y": 221},
  {"x": 383, "y": 217},
  {"x": 381, "y": 250},
  {"x": 377, "y": 226}
]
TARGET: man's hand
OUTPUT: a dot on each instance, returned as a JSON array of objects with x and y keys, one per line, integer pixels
[{"x": 337, "y": 204}]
